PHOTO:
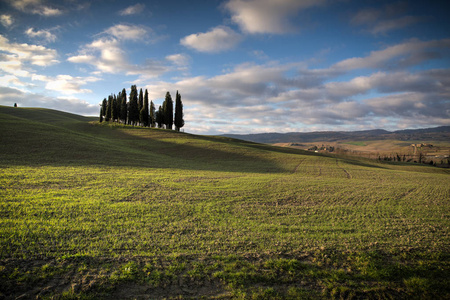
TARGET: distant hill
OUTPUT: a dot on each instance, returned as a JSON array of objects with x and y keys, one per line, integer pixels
[{"x": 441, "y": 133}]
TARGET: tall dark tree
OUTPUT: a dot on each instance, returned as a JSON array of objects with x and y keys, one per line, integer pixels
[
  {"x": 133, "y": 114},
  {"x": 152, "y": 119},
  {"x": 141, "y": 116},
  {"x": 159, "y": 117},
  {"x": 168, "y": 111},
  {"x": 141, "y": 100},
  {"x": 145, "y": 117},
  {"x": 123, "y": 107},
  {"x": 118, "y": 107},
  {"x": 179, "y": 121},
  {"x": 108, "y": 109},
  {"x": 101, "y": 115},
  {"x": 104, "y": 105},
  {"x": 114, "y": 108}
]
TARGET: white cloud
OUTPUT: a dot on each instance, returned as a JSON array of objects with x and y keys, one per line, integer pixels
[
  {"x": 411, "y": 106},
  {"x": 82, "y": 59},
  {"x": 398, "y": 56},
  {"x": 149, "y": 69},
  {"x": 433, "y": 81},
  {"x": 48, "y": 11},
  {"x": 132, "y": 10},
  {"x": 9, "y": 80},
  {"x": 46, "y": 35},
  {"x": 35, "y": 7},
  {"x": 267, "y": 16},
  {"x": 6, "y": 20},
  {"x": 107, "y": 56},
  {"x": 9, "y": 96},
  {"x": 179, "y": 59},
  {"x": 218, "y": 39},
  {"x": 12, "y": 65},
  {"x": 107, "y": 53},
  {"x": 16, "y": 58},
  {"x": 125, "y": 32},
  {"x": 66, "y": 84}
]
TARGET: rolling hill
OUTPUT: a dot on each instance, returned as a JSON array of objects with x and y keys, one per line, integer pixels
[
  {"x": 107, "y": 211},
  {"x": 41, "y": 136},
  {"x": 441, "y": 133}
]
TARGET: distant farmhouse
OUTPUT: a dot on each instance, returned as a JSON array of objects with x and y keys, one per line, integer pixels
[{"x": 422, "y": 145}]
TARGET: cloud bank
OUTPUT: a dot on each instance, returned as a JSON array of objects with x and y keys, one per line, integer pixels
[
  {"x": 9, "y": 96},
  {"x": 259, "y": 98}
]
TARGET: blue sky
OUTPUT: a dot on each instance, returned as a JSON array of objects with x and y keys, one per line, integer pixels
[{"x": 241, "y": 66}]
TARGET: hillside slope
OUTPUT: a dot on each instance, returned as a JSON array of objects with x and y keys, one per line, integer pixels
[{"x": 39, "y": 136}]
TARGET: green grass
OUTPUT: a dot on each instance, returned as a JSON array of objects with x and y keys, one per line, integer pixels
[
  {"x": 356, "y": 143},
  {"x": 98, "y": 211}
]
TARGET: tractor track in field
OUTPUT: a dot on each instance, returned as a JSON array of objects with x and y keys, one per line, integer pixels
[
  {"x": 407, "y": 193},
  {"x": 297, "y": 166},
  {"x": 349, "y": 176}
]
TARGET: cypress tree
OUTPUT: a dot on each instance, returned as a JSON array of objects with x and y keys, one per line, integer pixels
[
  {"x": 141, "y": 100},
  {"x": 114, "y": 108},
  {"x": 141, "y": 116},
  {"x": 134, "y": 111},
  {"x": 152, "y": 114},
  {"x": 168, "y": 111},
  {"x": 108, "y": 109},
  {"x": 101, "y": 115},
  {"x": 123, "y": 107},
  {"x": 159, "y": 117},
  {"x": 179, "y": 121},
  {"x": 145, "y": 117},
  {"x": 104, "y": 105},
  {"x": 118, "y": 106},
  {"x": 141, "y": 108}
]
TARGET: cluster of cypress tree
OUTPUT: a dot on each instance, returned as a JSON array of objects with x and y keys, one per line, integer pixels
[{"x": 138, "y": 112}]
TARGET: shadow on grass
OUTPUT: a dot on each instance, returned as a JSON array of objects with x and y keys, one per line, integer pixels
[
  {"x": 37, "y": 143},
  {"x": 314, "y": 275}
]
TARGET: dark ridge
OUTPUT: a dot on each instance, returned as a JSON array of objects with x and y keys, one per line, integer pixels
[{"x": 441, "y": 133}]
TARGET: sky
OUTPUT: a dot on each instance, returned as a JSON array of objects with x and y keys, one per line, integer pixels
[{"x": 241, "y": 66}]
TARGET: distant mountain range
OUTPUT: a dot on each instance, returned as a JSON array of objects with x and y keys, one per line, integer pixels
[{"x": 441, "y": 133}]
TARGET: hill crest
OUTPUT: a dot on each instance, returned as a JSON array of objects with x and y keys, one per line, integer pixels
[{"x": 441, "y": 133}]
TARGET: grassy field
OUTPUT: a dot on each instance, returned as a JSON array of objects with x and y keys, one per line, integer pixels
[
  {"x": 99, "y": 211},
  {"x": 438, "y": 153}
]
